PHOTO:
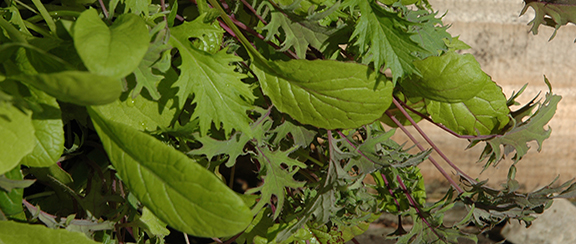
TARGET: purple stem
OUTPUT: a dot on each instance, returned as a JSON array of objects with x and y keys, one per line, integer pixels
[
  {"x": 104, "y": 11},
  {"x": 470, "y": 179},
  {"x": 414, "y": 205},
  {"x": 386, "y": 183},
  {"x": 442, "y": 171}
]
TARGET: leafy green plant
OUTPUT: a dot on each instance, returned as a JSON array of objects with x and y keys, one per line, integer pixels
[{"x": 253, "y": 122}]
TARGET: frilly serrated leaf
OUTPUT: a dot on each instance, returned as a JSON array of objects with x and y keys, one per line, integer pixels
[
  {"x": 219, "y": 94},
  {"x": 276, "y": 177},
  {"x": 298, "y": 34},
  {"x": 554, "y": 13},
  {"x": 383, "y": 39},
  {"x": 517, "y": 138}
]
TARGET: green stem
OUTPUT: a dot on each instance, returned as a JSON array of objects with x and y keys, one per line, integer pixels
[
  {"x": 45, "y": 15},
  {"x": 36, "y": 28},
  {"x": 59, "y": 13},
  {"x": 254, "y": 54},
  {"x": 14, "y": 34}
]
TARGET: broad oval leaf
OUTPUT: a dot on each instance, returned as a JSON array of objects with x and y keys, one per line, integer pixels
[
  {"x": 78, "y": 87},
  {"x": 326, "y": 94},
  {"x": 484, "y": 114},
  {"x": 176, "y": 189},
  {"x": 450, "y": 78},
  {"x": 17, "y": 136},
  {"x": 113, "y": 51},
  {"x": 48, "y": 132},
  {"x": 14, "y": 232}
]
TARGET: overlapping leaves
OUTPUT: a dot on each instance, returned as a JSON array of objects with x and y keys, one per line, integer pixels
[{"x": 218, "y": 92}]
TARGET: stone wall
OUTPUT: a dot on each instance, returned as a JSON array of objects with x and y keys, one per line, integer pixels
[{"x": 508, "y": 52}]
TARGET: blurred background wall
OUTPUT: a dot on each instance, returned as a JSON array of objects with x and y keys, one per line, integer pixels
[{"x": 512, "y": 56}]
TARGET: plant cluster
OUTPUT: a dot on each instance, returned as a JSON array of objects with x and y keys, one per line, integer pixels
[{"x": 250, "y": 121}]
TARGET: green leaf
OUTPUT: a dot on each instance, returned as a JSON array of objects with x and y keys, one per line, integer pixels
[
  {"x": 326, "y": 94},
  {"x": 17, "y": 133},
  {"x": 276, "y": 178},
  {"x": 112, "y": 51},
  {"x": 152, "y": 224},
  {"x": 12, "y": 193},
  {"x": 13, "y": 232},
  {"x": 523, "y": 132},
  {"x": 82, "y": 88},
  {"x": 450, "y": 78},
  {"x": 219, "y": 94},
  {"x": 298, "y": 34},
  {"x": 141, "y": 112},
  {"x": 47, "y": 130},
  {"x": 234, "y": 147},
  {"x": 176, "y": 189},
  {"x": 145, "y": 78},
  {"x": 484, "y": 114},
  {"x": 554, "y": 13},
  {"x": 382, "y": 39}
]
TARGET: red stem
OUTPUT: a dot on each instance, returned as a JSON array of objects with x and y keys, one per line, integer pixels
[
  {"x": 464, "y": 175},
  {"x": 442, "y": 171}
]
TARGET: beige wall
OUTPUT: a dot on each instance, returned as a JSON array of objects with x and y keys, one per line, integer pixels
[{"x": 506, "y": 50}]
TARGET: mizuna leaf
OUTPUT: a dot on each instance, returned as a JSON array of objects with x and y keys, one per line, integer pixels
[
  {"x": 276, "y": 177},
  {"x": 17, "y": 133},
  {"x": 14, "y": 232},
  {"x": 48, "y": 132},
  {"x": 554, "y": 13},
  {"x": 382, "y": 39},
  {"x": 112, "y": 51},
  {"x": 78, "y": 87},
  {"x": 11, "y": 192},
  {"x": 484, "y": 114},
  {"x": 448, "y": 78},
  {"x": 326, "y": 94},
  {"x": 145, "y": 78},
  {"x": 523, "y": 132},
  {"x": 298, "y": 34},
  {"x": 176, "y": 189},
  {"x": 219, "y": 94}
]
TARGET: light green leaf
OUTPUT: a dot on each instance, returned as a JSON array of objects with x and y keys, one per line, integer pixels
[
  {"x": 10, "y": 198},
  {"x": 141, "y": 112},
  {"x": 234, "y": 147},
  {"x": 298, "y": 34},
  {"x": 112, "y": 51},
  {"x": 145, "y": 78},
  {"x": 82, "y": 88},
  {"x": 48, "y": 132},
  {"x": 276, "y": 178},
  {"x": 176, "y": 189},
  {"x": 326, "y": 94},
  {"x": 219, "y": 94},
  {"x": 449, "y": 78},
  {"x": 382, "y": 39},
  {"x": 152, "y": 224},
  {"x": 532, "y": 129},
  {"x": 13, "y": 232},
  {"x": 484, "y": 114},
  {"x": 17, "y": 133}
]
